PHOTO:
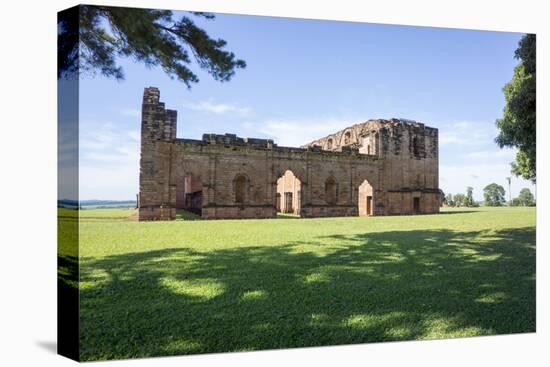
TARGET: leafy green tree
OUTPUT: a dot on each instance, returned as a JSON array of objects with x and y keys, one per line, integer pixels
[
  {"x": 442, "y": 198},
  {"x": 517, "y": 127},
  {"x": 460, "y": 199},
  {"x": 90, "y": 38},
  {"x": 526, "y": 198},
  {"x": 449, "y": 200},
  {"x": 494, "y": 195},
  {"x": 469, "y": 199},
  {"x": 515, "y": 202}
]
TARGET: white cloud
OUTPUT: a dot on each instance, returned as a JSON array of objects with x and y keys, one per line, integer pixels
[
  {"x": 109, "y": 161},
  {"x": 297, "y": 132},
  {"x": 99, "y": 136},
  {"x": 477, "y": 161},
  {"x": 496, "y": 154},
  {"x": 109, "y": 182},
  {"x": 135, "y": 135},
  {"x": 456, "y": 177},
  {"x": 218, "y": 108},
  {"x": 467, "y": 133},
  {"x": 131, "y": 112}
]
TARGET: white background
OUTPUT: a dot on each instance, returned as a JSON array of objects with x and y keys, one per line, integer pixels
[{"x": 28, "y": 182}]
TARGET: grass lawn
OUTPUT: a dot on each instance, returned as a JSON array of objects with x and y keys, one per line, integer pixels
[{"x": 194, "y": 286}]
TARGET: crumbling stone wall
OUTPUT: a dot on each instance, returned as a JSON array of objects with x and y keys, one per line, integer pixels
[
  {"x": 409, "y": 151},
  {"x": 158, "y": 130},
  {"x": 237, "y": 177}
]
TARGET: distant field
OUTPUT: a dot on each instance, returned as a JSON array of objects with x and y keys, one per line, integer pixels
[{"x": 195, "y": 286}]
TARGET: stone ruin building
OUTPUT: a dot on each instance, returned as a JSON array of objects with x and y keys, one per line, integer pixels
[{"x": 378, "y": 167}]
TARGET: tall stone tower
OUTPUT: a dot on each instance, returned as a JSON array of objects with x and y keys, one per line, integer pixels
[
  {"x": 158, "y": 130},
  {"x": 411, "y": 166}
]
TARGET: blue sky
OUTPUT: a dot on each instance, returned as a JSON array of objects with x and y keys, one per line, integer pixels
[{"x": 308, "y": 78}]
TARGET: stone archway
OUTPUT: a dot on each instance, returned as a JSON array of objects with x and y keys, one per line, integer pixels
[
  {"x": 288, "y": 197},
  {"x": 189, "y": 194},
  {"x": 365, "y": 199}
]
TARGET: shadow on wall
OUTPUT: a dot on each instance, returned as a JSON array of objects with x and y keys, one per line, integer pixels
[{"x": 373, "y": 287}]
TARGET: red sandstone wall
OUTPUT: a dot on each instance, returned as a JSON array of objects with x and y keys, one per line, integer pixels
[{"x": 404, "y": 166}]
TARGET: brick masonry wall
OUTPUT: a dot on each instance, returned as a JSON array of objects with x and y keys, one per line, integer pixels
[
  {"x": 402, "y": 165},
  {"x": 218, "y": 166}
]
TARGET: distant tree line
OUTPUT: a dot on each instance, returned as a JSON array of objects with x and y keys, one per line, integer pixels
[
  {"x": 525, "y": 198},
  {"x": 461, "y": 200},
  {"x": 493, "y": 195}
]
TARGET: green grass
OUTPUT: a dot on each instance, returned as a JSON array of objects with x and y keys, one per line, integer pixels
[{"x": 196, "y": 286}]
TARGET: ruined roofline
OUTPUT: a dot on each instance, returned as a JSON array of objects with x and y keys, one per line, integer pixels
[
  {"x": 235, "y": 142},
  {"x": 151, "y": 100},
  {"x": 373, "y": 122}
]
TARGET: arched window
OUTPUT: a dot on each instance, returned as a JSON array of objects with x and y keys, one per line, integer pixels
[
  {"x": 347, "y": 137},
  {"x": 329, "y": 144},
  {"x": 240, "y": 184},
  {"x": 331, "y": 191}
]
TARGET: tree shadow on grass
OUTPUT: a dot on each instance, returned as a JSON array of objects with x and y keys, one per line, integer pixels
[
  {"x": 459, "y": 211},
  {"x": 372, "y": 287}
]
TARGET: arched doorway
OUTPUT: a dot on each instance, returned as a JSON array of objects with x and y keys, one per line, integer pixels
[
  {"x": 189, "y": 194},
  {"x": 289, "y": 194},
  {"x": 365, "y": 199}
]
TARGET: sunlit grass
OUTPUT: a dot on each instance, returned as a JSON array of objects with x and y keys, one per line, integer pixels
[{"x": 197, "y": 286}]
